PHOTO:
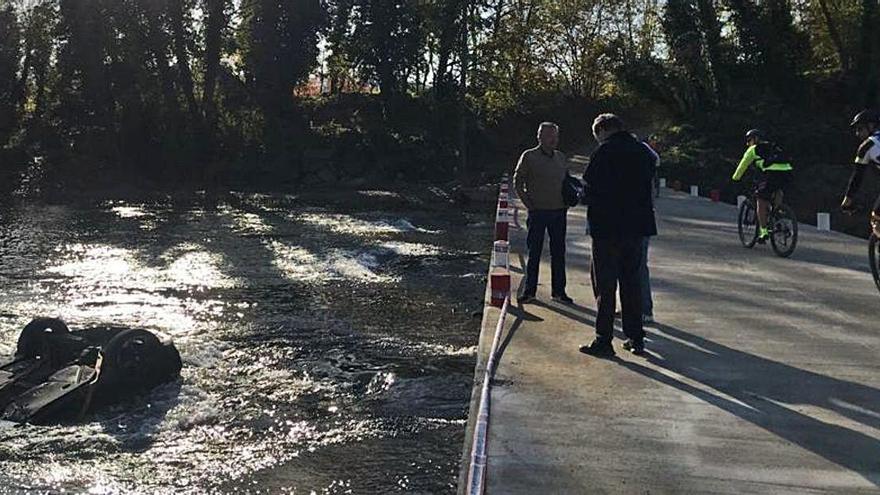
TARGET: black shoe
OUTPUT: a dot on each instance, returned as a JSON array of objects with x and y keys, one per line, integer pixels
[
  {"x": 598, "y": 349},
  {"x": 563, "y": 298},
  {"x": 526, "y": 299},
  {"x": 635, "y": 347}
]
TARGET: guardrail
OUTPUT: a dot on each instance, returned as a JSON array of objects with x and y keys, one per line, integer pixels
[{"x": 477, "y": 469}]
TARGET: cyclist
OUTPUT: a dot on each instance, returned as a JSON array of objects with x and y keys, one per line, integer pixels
[
  {"x": 866, "y": 125},
  {"x": 775, "y": 170}
]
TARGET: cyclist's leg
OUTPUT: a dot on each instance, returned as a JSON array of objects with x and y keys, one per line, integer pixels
[
  {"x": 783, "y": 179},
  {"x": 763, "y": 211},
  {"x": 763, "y": 194},
  {"x": 774, "y": 190}
]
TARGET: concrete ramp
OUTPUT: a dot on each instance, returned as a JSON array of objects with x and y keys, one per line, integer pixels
[{"x": 763, "y": 373}]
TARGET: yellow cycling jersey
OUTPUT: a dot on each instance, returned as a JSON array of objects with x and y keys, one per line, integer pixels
[{"x": 752, "y": 156}]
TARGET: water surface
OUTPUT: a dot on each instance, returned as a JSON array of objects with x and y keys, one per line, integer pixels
[{"x": 328, "y": 340}]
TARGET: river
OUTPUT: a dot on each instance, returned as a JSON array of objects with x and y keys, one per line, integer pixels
[{"x": 328, "y": 339}]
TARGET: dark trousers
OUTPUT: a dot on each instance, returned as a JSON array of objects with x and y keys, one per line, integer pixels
[
  {"x": 618, "y": 261},
  {"x": 645, "y": 276},
  {"x": 554, "y": 222}
]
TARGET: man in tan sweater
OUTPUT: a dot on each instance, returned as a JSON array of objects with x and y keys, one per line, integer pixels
[{"x": 538, "y": 182}]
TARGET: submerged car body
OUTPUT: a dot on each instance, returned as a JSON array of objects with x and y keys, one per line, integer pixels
[{"x": 58, "y": 374}]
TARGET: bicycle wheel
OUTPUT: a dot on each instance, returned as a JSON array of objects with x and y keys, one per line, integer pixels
[
  {"x": 747, "y": 224},
  {"x": 874, "y": 257},
  {"x": 784, "y": 231}
]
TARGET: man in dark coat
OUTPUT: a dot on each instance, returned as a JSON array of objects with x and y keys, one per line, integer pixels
[{"x": 618, "y": 192}]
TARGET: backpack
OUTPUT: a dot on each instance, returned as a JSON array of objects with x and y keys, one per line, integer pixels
[
  {"x": 572, "y": 191},
  {"x": 772, "y": 153}
]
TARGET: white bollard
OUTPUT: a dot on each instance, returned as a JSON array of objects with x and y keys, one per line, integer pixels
[
  {"x": 695, "y": 191},
  {"x": 503, "y": 199},
  {"x": 740, "y": 200},
  {"x": 823, "y": 221},
  {"x": 662, "y": 182}
]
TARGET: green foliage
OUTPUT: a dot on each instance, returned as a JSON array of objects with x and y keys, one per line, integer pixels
[
  {"x": 385, "y": 43},
  {"x": 205, "y": 91}
]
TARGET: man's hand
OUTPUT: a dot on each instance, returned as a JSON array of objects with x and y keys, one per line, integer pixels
[
  {"x": 847, "y": 205},
  {"x": 875, "y": 223}
]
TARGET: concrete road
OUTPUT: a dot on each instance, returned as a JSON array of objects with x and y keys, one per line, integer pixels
[{"x": 763, "y": 373}]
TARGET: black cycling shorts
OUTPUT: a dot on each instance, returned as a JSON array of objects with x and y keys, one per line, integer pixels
[{"x": 771, "y": 182}]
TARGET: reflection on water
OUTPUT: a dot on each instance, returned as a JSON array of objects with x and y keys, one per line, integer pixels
[{"x": 325, "y": 351}]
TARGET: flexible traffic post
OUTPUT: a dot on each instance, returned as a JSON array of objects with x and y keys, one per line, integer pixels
[{"x": 499, "y": 286}]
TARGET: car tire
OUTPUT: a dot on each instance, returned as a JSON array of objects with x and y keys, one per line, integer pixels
[{"x": 33, "y": 341}]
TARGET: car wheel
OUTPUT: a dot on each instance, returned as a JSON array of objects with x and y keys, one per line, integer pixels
[{"x": 33, "y": 340}]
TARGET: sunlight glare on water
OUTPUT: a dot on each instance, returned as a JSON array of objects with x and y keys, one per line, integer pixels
[{"x": 347, "y": 224}]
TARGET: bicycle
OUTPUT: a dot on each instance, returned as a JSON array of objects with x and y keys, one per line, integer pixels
[
  {"x": 781, "y": 218},
  {"x": 874, "y": 258},
  {"x": 873, "y": 246}
]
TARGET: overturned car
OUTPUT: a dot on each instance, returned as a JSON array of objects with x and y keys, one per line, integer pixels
[{"x": 58, "y": 374}]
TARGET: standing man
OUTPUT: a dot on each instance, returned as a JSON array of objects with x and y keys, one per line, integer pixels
[
  {"x": 644, "y": 273},
  {"x": 538, "y": 182},
  {"x": 621, "y": 214}
]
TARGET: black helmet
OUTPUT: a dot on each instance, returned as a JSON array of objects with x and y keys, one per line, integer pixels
[
  {"x": 754, "y": 133},
  {"x": 867, "y": 116}
]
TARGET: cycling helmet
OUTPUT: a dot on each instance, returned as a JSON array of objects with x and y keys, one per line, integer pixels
[
  {"x": 754, "y": 133},
  {"x": 867, "y": 116}
]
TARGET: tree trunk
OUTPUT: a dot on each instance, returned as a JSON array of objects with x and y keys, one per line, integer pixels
[
  {"x": 748, "y": 25},
  {"x": 40, "y": 80},
  {"x": 159, "y": 49},
  {"x": 834, "y": 34},
  {"x": 462, "y": 98},
  {"x": 449, "y": 16},
  {"x": 712, "y": 37},
  {"x": 216, "y": 22},
  {"x": 176, "y": 14},
  {"x": 22, "y": 90},
  {"x": 866, "y": 52}
]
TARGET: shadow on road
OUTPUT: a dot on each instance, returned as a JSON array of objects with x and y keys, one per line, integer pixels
[
  {"x": 761, "y": 391},
  {"x": 766, "y": 393}
]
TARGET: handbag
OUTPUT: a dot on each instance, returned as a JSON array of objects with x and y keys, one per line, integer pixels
[{"x": 572, "y": 191}]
